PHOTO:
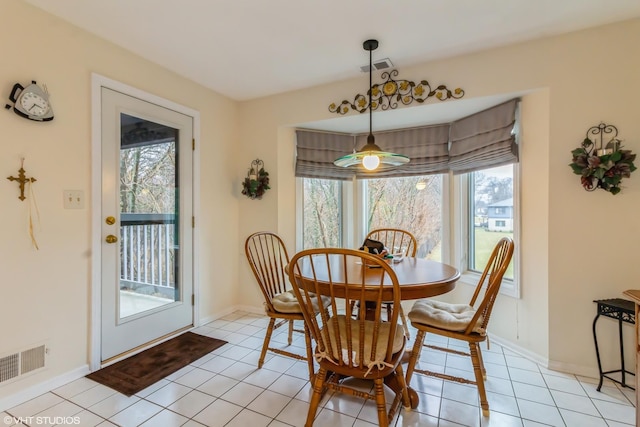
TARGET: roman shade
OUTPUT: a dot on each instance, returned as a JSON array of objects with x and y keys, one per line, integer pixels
[
  {"x": 316, "y": 151},
  {"x": 427, "y": 147},
  {"x": 482, "y": 140},
  {"x": 485, "y": 139}
]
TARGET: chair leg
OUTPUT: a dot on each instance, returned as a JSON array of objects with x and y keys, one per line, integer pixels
[
  {"x": 415, "y": 354},
  {"x": 307, "y": 338},
  {"x": 404, "y": 323},
  {"x": 381, "y": 404},
  {"x": 265, "y": 345},
  {"x": 290, "y": 331},
  {"x": 318, "y": 387},
  {"x": 477, "y": 370},
  {"x": 484, "y": 371},
  {"x": 406, "y": 402}
]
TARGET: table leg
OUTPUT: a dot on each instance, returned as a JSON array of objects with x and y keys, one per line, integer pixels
[
  {"x": 595, "y": 341},
  {"x": 392, "y": 382},
  {"x": 622, "y": 368}
]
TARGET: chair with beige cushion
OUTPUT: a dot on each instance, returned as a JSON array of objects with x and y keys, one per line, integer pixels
[
  {"x": 268, "y": 257},
  {"x": 465, "y": 322},
  {"x": 397, "y": 241},
  {"x": 350, "y": 346}
]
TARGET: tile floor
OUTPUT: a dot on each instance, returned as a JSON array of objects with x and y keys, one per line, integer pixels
[{"x": 224, "y": 388}]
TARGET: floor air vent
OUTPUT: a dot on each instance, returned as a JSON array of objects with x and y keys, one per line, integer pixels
[{"x": 17, "y": 364}]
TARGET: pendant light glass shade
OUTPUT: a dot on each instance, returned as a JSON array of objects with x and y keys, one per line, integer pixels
[{"x": 371, "y": 156}]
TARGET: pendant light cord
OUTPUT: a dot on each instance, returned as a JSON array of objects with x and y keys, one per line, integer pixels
[{"x": 370, "y": 94}]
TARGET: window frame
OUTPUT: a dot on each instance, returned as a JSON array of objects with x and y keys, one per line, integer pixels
[
  {"x": 455, "y": 226},
  {"x": 510, "y": 287}
]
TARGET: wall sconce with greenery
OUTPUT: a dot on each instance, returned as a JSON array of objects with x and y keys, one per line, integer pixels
[
  {"x": 257, "y": 181},
  {"x": 602, "y": 165}
]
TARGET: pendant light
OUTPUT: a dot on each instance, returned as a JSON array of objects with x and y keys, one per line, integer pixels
[{"x": 370, "y": 155}]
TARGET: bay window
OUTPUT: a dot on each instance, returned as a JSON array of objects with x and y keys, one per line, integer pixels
[{"x": 458, "y": 195}]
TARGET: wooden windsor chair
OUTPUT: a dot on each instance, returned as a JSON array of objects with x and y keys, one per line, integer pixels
[
  {"x": 268, "y": 257},
  {"x": 464, "y": 322},
  {"x": 348, "y": 346}
]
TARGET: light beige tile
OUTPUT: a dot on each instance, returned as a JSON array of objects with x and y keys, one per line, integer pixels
[
  {"x": 136, "y": 414},
  {"x": 113, "y": 404},
  {"x": 460, "y": 413},
  {"x": 75, "y": 387},
  {"x": 242, "y": 394},
  {"x": 92, "y": 396},
  {"x": 218, "y": 414},
  {"x": 294, "y": 413},
  {"x": 218, "y": 385},
  {"x": 34, "y": 406},
  {"x": 165, "y": 418},
  {"x": 269, "y": 403},
  {"x": 195, "y": 377},
  {"x": 168, "y": 394},
  {"x": 288, "y": 385},
  {"x": 247, "y": 417},
  {"x": 192, "y": 403}
]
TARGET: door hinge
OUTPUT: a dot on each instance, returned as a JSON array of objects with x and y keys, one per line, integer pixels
[
  {"x": 193, "y": 299},
  {"x": 193, "y": 222},
  {"x": 193, "y": 144}
]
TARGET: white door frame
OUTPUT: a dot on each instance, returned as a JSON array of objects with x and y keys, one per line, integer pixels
[{"x": 97, "y": 82}]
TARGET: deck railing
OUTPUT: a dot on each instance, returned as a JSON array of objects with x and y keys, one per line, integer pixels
[{"x": 148, "y": 251}]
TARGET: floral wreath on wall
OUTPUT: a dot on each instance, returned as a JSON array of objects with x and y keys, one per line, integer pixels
[
  {"x": 256, "y": 182},
  {"x": 603, "y": 165}
]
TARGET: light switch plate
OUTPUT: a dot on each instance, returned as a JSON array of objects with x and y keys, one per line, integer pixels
[{"x": 73, "y": 199}]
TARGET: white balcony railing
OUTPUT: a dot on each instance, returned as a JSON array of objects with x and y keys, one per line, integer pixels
[{"x": 148, "y": 252}]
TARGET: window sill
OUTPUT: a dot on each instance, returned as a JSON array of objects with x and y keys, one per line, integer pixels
[{"x": 509, "y": 287}]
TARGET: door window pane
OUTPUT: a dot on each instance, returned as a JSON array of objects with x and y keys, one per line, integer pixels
[
  {"x": 491, "y": 214},
  {"x": 148, "y": 215},
  {"x": 411, "y": 203},
  {"x": 322, "y": 213}
]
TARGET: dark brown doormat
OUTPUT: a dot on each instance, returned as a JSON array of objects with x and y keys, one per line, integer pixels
[{"x": 138, "y": 372}]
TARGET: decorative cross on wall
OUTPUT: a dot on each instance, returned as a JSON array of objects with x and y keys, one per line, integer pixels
[{"x": 22, "y": 180}]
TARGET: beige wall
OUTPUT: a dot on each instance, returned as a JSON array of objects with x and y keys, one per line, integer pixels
[
  {"x": 46, "y": 293},
  {"x": 576, "y": 246}
]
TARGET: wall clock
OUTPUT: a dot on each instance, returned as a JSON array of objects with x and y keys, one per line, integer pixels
[{"x": 31, "y": 102}]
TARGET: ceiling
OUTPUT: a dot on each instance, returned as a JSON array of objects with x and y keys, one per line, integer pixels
[{"x": 247, "y": 49}]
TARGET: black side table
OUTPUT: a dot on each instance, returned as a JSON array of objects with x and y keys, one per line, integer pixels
[{"x": 624, "y": 311}]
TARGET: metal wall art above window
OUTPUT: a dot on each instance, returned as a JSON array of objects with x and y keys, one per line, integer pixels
[{"x": 391, "y": 92}]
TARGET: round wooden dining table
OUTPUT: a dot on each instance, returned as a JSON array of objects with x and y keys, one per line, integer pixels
[{"x": 418, "y": 278}]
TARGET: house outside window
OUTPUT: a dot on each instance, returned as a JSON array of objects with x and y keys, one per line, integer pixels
[{"x": 491, "y": 195}]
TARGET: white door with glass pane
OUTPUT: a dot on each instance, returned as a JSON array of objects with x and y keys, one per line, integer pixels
[{"x": 146, "y": 222}]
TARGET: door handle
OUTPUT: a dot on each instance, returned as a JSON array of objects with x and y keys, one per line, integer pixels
[{"x": 111, "y": 238}]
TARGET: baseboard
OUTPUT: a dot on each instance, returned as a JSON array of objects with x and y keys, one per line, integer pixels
[
  {"x": 527, "y": 354},
  {"x": 229, "y": 310},
  {"x": 42, "y": 388},
  {"x": 567, "y": 368},
  {"x": 251, "y": 309},
  {"x": 570, "y": 368}
]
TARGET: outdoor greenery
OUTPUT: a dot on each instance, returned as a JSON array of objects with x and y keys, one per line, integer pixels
[
  {"x": 399, "y": 203},
  {"x": 485, "y": 241},
  {"x": 322, "y": 219},
  {"x": 147, "y": 178}
]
